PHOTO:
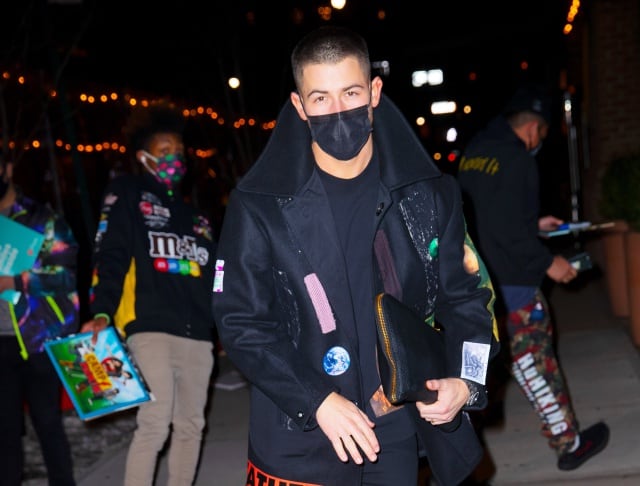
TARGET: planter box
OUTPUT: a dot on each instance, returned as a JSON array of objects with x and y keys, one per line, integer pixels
[
  {"x": 615, "y": 256},
  {"x": 632, "y": 243}
]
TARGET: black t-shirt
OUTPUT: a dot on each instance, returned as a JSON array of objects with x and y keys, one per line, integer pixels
[{"x": 353, "y": 203}]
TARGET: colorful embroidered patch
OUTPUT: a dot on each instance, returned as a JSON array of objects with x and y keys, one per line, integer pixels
[{"x": 433, "y": 248}]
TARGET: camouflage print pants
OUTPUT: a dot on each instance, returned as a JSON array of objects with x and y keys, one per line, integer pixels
[{"x": 535, "y": 367}]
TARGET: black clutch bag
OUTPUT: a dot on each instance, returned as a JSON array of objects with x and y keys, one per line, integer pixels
[{"x": 410, "y": 352}]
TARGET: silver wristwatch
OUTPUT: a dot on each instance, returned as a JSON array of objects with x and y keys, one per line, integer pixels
[{"x": 475, "y": 392}]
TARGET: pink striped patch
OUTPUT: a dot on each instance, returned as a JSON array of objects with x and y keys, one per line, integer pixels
[{"x": 320, "y": 303}]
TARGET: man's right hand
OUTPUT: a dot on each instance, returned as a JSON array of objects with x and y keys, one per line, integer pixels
[
  {"x": 348, "y": 428},
  {"x": 561, "y": 270}
]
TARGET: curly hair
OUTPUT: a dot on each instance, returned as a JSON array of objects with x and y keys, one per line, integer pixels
[{"x": 144, "y": 122}]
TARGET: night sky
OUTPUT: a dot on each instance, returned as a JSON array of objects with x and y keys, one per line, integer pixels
[{"x": 188, "y": 48}]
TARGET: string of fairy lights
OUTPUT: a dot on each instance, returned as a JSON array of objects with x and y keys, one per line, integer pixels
[
  {"x": 574, "y": 8},
  {"x": 197, "y": 111},
  {"x": 130, "y": 100}
]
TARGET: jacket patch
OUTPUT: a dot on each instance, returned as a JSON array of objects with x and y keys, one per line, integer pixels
[
  {"x": 420, "y": 216},
  {"x": 202, "y": 227},
  {"x": 218, "y": 278},
  {"x": 320, "y": 303},
  {"x": 103, "y": 225},
  {"x": 387, "y": 267},
  {"x": 155, "y": 215},
  {"x": 336, "y": 361},
  {"x": 175, "y": 254},
  {"x": 433, "y": 248},
  {"x": 475, "y": 361},
  {"x": 470, "y": 262},
  {"x": 110, "y": 199}
]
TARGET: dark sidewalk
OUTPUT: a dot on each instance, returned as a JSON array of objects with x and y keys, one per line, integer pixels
[{"x": 603, "y": 371}]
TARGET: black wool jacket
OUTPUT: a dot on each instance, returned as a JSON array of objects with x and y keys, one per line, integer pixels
[{"x": 279, "y": 260}]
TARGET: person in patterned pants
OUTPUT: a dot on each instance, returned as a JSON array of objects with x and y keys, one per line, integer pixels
[
  {"x": 535, "y": 367},
  {"x": 499, "y": 178}
]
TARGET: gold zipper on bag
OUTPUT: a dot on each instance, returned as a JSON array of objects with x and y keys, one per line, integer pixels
[{"x": 387, "y": 347}]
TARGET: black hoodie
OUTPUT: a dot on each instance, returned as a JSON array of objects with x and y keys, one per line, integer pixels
[{"x": 499, "y": 179}]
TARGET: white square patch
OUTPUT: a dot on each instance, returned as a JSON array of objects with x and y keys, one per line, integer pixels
[{"x": 475, "y": 361}]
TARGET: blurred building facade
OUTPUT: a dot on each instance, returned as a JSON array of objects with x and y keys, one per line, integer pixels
[{"x": 604, "y": 69}]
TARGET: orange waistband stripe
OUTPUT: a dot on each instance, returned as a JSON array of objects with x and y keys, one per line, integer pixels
[{"x": 257, "y": 477}]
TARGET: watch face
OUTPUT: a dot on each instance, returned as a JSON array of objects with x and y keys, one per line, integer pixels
[
  {"x": 473, "y": 398},
  {"x": 474, "y": 393}
]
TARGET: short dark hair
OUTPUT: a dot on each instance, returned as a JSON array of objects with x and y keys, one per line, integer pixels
[
  {"x": 329, "y": 44},
  {"x": 144, "y": 122}
]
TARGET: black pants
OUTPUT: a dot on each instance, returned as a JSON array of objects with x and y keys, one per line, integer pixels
[
  {"x": 398, "y": 458},
  {"x": 35, "y": 382},
  {"x": 396, "y": 464}
]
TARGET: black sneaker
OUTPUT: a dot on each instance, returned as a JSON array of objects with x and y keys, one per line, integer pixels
[{"x": 592, "y": 440}]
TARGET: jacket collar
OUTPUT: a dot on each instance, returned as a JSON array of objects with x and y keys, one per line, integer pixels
[{"x": 286, "y": 163}]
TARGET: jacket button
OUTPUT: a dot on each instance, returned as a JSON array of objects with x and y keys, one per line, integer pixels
[
  {"x": 379, "y": 209},
  {"x": 300, "y": 414}
]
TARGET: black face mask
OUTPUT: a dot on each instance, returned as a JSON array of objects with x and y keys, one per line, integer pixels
[{"x": 342, "y": 135}]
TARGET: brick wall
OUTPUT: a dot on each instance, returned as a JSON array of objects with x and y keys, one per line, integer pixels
[
  {"x": 612, "y": 101},
  {"x": 604, "y": 68}
]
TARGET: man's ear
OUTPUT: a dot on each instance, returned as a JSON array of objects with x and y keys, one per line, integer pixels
[
  {"x": 297, "y": 104},
  {"x": 529, "y": 133},
  {"x": 376, "y": 91}
]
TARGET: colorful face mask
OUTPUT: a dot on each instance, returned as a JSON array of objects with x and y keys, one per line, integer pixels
[
  {"x": 170, "y": 168},
  {"x": 343, "y": 134}
]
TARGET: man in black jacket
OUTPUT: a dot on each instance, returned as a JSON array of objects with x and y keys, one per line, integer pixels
[
  {"x": 338, "y": 208},
  {"x": 499, "y": 178}
]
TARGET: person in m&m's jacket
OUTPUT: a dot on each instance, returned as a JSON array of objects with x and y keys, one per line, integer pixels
[{"x": 152, "y": 280}]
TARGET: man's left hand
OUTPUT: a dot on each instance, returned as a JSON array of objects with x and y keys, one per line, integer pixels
[{"x": 453, "y": 394}]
